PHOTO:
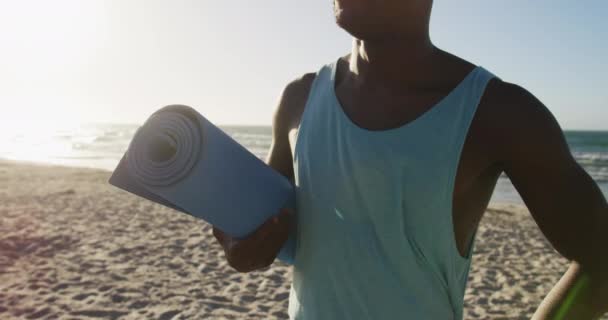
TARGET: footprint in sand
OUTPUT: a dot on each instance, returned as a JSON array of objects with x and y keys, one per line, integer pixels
[
  {"x": 168, "y": 315},
  {"x": 138, "y": 304},
  {"x": 82, "y": 296},
  {"x": 281, "y": 296},
  {"x": 112, "y": 314}
]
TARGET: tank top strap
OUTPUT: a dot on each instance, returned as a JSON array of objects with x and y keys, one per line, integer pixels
[
  {"x": 314, "y": 103},
  {"x": 476, "y": 89},
  {"x": 469, "y": 100}
]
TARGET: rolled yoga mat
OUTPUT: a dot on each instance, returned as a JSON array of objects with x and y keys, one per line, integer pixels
[{"x": 181, "y": 160}]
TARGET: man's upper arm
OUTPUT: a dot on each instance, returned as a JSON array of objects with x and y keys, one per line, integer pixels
[
  {"x": 566, "y": 203},
  {"x": 286, "y": 115}
]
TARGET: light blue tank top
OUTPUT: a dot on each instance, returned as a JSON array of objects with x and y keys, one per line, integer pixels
[{"x": 375, "y": 237}]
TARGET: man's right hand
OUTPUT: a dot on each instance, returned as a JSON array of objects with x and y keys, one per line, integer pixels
[{"x": 259, "y": 249}]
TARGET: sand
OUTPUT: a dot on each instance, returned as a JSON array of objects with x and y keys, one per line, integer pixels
[{"x": 74, "y": 247}]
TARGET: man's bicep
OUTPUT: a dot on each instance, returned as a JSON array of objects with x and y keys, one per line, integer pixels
[{"x": 563, "y": 199}]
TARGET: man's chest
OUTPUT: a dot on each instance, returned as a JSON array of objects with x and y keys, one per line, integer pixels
[
  {"x": 477, "y": 160},
  {"x": 477, "y": 168}
]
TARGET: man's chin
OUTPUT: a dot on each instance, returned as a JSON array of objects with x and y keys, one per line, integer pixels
[{"x": 358, "y": 30}]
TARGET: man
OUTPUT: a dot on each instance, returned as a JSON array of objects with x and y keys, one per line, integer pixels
[{"x": 388, "y": 202}]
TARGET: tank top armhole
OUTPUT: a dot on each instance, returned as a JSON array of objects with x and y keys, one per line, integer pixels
[{"x": 483, "y": 78}]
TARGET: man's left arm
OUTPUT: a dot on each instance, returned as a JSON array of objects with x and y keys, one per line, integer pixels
[{"x": 563, "y": 199}]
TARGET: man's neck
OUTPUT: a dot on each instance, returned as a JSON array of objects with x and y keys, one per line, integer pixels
[{"x": 395, "y": 64}]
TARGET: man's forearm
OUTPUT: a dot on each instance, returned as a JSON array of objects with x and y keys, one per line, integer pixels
[{"x": 578, "y": 295}]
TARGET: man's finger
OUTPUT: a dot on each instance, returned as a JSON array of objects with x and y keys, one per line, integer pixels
[{"x": 219, "y": 235}]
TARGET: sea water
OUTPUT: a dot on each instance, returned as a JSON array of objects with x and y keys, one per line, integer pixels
[{"x": 102, "y": 145}]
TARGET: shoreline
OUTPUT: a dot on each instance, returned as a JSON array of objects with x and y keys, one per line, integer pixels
[
  {"x": 492, "y": 203},
  {"x": 71, "y": 245}
]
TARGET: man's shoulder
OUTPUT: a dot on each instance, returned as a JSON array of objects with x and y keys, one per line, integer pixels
[
  {"x": 293, "y": 100},
  {"x": 509, "y": 105},
  {"x": 301, "y": 82},
  {"x": 298, "y": 89},
  {"x": 514, "y": 118},
  {"x": 499, "y": 92}
]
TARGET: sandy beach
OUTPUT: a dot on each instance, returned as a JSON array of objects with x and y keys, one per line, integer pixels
[{"x": 74, "y": 247}]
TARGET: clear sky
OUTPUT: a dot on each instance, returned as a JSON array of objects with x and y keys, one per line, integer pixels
[{"x": 120, "y": 60}]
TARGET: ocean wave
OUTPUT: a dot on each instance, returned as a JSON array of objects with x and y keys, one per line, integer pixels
[
  {"x": 104, "y": 145},
  {"x": 591, "y": 157}
]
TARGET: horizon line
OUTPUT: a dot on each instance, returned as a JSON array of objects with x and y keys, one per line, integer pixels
[{"x": 270, "y": 125}]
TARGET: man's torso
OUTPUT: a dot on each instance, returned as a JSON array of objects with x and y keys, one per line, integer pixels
[{"x": 478, "y": 168}]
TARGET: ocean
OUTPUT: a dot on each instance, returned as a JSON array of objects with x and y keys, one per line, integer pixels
[{"x": 102, "y": 145}]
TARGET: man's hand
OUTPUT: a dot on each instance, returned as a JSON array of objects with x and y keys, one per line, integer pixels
[{"x": 259, "y": 249}]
